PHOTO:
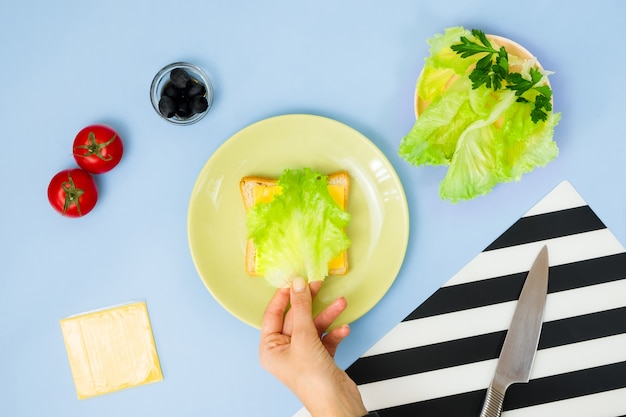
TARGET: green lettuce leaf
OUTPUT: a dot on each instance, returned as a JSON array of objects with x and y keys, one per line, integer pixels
[
  {"x": 475, "y": 168},
  {"x": 443, "y": 57},
  {"x": 526, "y": 145},
  {"x": 299, "y": 231},
  {"x": 432, "y": 141},
  {"x": 485, "y": 137},
  {"x": 443, "y": 65}
]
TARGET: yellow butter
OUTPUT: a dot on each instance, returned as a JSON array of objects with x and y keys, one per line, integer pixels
[
  {"x": 111, "y": 349},
  {"x": 265, "y": 194}
]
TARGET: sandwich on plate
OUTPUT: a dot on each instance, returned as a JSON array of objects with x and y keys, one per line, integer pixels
[{"x": 296, "y": 225}]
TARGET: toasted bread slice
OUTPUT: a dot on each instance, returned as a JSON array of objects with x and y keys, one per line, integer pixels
[{"x": 262, "y": 189}]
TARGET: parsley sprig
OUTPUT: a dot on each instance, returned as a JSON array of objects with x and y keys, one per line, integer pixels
[{"x": 492, "y": 70}]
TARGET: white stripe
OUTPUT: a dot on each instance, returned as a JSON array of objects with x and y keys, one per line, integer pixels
[
  {"x": 576, "y": 356},
  {"x": 427, "y": 385},
  {"x": 444, "y": 327},
  {"x": 476, "y": 376},
  {"x": 562, "y": 197},
  {"x": 497, "y": 317},
  {"x": 585, "y": 300},
  {"x": 515, "y": 259},
  {"x": 604, "y": 404}
]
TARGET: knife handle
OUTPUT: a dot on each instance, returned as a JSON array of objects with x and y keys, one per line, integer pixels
[{"x": 493, "y": 403}]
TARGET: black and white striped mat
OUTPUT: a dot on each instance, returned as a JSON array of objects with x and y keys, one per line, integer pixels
[{"x": 440, "y": 359}]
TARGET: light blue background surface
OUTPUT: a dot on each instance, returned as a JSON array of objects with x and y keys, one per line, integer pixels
[{"x": 68, "y": 64}]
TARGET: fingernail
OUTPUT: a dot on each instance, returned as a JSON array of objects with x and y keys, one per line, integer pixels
[{"x": 298, "y": 284}]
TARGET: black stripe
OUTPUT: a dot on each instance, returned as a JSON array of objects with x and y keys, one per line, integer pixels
[
  {"x": 548, "y": 226},
  {"x": 581, "y": 328},
  {"x": 568, "y": 385},
  {"x": 467, "y": 404},
  {"x": 426, "y": 358},
  {"x": 507, "y": 288},
  {"x": 470, "y": 295},
  {"x": 536, "y": 392},
  {"x": 483, "y": 347}
]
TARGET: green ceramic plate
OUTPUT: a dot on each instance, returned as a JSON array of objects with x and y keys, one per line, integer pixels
[{"x": 216, "y": 220}]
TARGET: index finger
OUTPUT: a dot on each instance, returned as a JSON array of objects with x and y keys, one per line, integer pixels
[
  {"x": 274, "y": 314},
  {"x": 315, "y": 287}
]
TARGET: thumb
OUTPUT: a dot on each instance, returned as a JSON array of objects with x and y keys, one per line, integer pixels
[{"x": 301, "y": 305}]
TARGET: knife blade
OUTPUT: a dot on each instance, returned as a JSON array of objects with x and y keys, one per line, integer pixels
[{"x": 520, "y": 344}]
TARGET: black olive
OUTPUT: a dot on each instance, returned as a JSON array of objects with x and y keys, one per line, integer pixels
[
  {"x": 196, "y": 89},
  {"x": 171, "y": 91},
  {"x": 167, "y": 106},
  {"x": 179, "y": 77},
  {"x": 199, "y": 104}
]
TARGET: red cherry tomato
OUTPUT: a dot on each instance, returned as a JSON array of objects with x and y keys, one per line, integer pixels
[
  {"x": 97, "y": 149},
  {"x": 73, "y": 192}
]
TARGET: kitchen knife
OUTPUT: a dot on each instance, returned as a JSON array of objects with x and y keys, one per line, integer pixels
[{"x": 520, "y": 343}]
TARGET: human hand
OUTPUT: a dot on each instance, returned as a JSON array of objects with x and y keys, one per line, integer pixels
[{"x": 296, "y": 351}]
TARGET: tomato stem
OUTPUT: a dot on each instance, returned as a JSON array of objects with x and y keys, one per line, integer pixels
[
  {"x": 72, "y": 194},
  {"x": 94, "y": 148}
]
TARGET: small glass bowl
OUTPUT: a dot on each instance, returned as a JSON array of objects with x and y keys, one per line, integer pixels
[{"x": 162, "y": 78}]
